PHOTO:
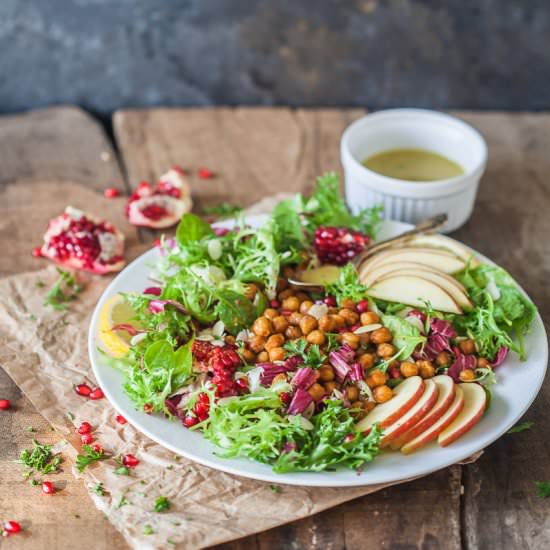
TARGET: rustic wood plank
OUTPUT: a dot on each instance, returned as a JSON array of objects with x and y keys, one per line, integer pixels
[
  {"x": 512, "y": 226},
  {"x": 48, "y": 159},
  {"x": 256, "y": 152}
]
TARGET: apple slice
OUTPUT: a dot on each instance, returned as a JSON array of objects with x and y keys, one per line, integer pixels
[
  {"x": 475, "y": 400},
  {"x": 438, "y": 426},
  {"x": 434, "y": 258},
  {"x": 413, "y": 415},
  {"x": 446, "y": 395},
  {"x": 439, "y": 279},
  {"x": 414, "y": 291},
  {"x": 405, "y": 396},
  {"x": 438, "y": 241}
]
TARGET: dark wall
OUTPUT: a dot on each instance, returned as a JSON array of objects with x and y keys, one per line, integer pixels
[{"x": 106, "y": 54}]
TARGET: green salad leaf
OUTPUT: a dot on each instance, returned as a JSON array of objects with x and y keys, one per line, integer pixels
[
  {"x": 191, "y": 228},
  {"x": 347, "y": 285},
  {"x": 235, "y": 310}
]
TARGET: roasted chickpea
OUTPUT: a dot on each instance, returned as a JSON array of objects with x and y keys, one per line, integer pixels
[
  {"x": 443, "y": 359},
  {"x": 467, "y": 375},
  {"x": 281, "y": 377},
  {"x": 291, "y": 303},
  {"x": 292, "y": 333},
  {"x": 274, "y": 341},
  {"x": 482, "y": 363},
  {"x": 352, "y": 340},
  {"x": 367, "y": 360},
  {"x": 305, "y": 305},
  {"x": 370, "y": 405},
  {"x": 330, "y": 387},
  {"x": 350, "y": 317},
  {"x": 364, "y": 338},
  {"x": 282, "y": 284},
  {"x": 333, "y": 310},
  {"x": 352, "y": 393},
  {"x": 381, "y": 336},
  {"x": 369, "y": 318},
  {"x": 270, "y": 313},
  {"x": 288, "y": 272},
  {"x": 230, "y": 339},
  {"x": 408, "y": 369},
  {"x": 302, "y": 296},
  {"x": 338, "y": 321},
  {"x": 376, "y": 378},
  {"x": 382, "y": 394},
  {"x": 276, "y": 354},
  {"x": 348, "y": 303},
  {"x": 307, "y": 324},
  {"x": 357, "y": 405},
  {"x": 385, "y": 350},
  {"x": 287, "y": 292},
  {"x": 263, "y": 357},
  {"x": 316, "y": 337},
  {"x": 248, "y": 355},
  {"x": 426, "y": 369},
  {"x": 256, "y": 343},
  {"x": 467, "y": 346},
  {"x": 326, "y": 323},
  {"x": 262, "y": 327},
  {"x": 294, "y": 318},
  {"x": 326, "y": 373},
  {"x": 280, "y": 324},
  {"x": 316, "y": 391},
  {"x": 250, "y": 291}
]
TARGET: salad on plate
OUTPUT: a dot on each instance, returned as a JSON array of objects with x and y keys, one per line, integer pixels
[{"x": 390, "y": 354}]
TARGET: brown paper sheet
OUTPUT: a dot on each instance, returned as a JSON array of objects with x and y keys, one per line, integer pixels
[{"x": 45, "y": 352}]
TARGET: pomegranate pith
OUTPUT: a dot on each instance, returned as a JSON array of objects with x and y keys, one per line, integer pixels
[{"x": 338, "y": 245}]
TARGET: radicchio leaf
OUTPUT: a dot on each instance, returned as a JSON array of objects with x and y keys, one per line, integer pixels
[
  {"x": 304, "y": 378},
  {"x": 269, "y": 372},
  {"x": 440, "y": 326},
  {"x": 356, "y": 373},
  {"x": 130, "y": 329},
  {"x": 501, "y": 355},
  {"x": 462, "y": 362},
  {"x": 157, "y": 306},
  {"x": 300, "y": 402},
  {"x": 341, "y": 367},
  {"x": 436, "y": 343},
  {"x": 154, "y": 290}
]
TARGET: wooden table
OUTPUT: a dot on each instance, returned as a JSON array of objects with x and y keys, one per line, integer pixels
[{"x": 50, "y": 157}]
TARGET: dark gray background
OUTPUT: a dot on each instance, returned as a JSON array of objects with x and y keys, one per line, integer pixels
[{"x": 106, "y": 54}]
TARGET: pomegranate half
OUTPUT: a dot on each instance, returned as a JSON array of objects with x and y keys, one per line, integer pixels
[
  {"x": 160, "y": 206},
  {"x": 78, "y": 240}
]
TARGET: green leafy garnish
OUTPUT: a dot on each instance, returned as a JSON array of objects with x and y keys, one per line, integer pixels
[
  {"x": 89, "y": 457},
  {"x": 521, "y": 427},
  {"x": 147, "y": 530},
  {"x": 347, "y": 285},
  {"x": 161, "y": 504},
  {"x": 310, "y": 353},
  {"x": 275, "y": 488},
  {"x": 192, "y": 228},
  {"x": 122, "y": 502},
  {"x": 99, "y": 490},
  {"x": 40, "y": 458},
  {"x": 64, "y": 290},
  {"x": 234, "y": 310},
  {"x": 121, "y": 471},
  {"x": 223, "y": 210},
  {"x": 543, "y": 488}
]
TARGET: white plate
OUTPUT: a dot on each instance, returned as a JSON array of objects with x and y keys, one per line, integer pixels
[{"x": 518, "y": 385}]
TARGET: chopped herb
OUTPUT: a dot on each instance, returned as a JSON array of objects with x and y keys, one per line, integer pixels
[
  {"x": 275, "y": 488},
  {"x": 40, "y": 458},
  {"x": 223, "y": 210},
  {"x": 34, "y": 482},
  {"x": 89, "y": 457},
  {"x": 64, "y": 290},
  {"x": 170, "y": 467},
  {"x": 32, "y": 317},
  {"x": 543, "y": 488},
  {"x": 143, "y": 482},
  {"x": 170, "y": 541},
  {"x": 147, "y": 530},
  {"x": 69, "y": 415},
  {"x": 30, "y": 429},
  {"x": 347, "y": 285},
  {"x": 141, "y": 494},
  {"x": 121, "y": 471},
  {"x": 311, "y": 354},
  {"x": 40, "y": 284},
  {"x": 176, "y": 523},
  {"x": 521, "y": 427},
  {"x": 99, "y": 490},
  {"x": 161, "y": 504},
  {"x": 122, "y": 502}
]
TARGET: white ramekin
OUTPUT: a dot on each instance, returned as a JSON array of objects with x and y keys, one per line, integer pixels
[{"x": 405, "y": 200}]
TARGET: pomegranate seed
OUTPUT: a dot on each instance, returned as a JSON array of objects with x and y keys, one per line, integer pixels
[
  {"x": 48, "y": 488},
  {"x": 148, "y": 408},
  {"x": 275, "y": 304},
  {"x": 4, "y": 404},
  {"x": 130, "y": 461},
  {"x": 11, "y": 528},
  {"x": 330, "y": 301},
  {"x": 86, "y": 439},
  {"x": 37, "y": 251},
  {"x": 349, "y": 438},
  {"x": 362, "y": 306},
  {"x": 84, "y": 428},
  {"x": 97, "y": 449},
  {"x": 394, "y": 372},
  {"x": 111, "y": 192},
  {"x": 156, "y": 242},
  {"x": 338, "y": 245},
  {"x": 120, "y": 419},
  {"x": 355, "y": 327},
  {"x": 190, "y": 421},
  {"x": 205, "y": 173},
  {"x": 97, "y": 394},
  {"x": 83, "y": 389},
  {"x": 285, "y": 397},
  {"x": 177, "y": 168},
  {"x": 154, "y": 290},
  {"x": 242, "y": 385}
]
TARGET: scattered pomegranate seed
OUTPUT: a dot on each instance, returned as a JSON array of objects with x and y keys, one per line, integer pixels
[
  {"x": 394, "y": 372},
  {"x": 362, "y": 306},
  {"x": 11, "y": 528},
  {"x": 130, "y": 461},
  {"x": 120, "y": 419},
  {"x": 111, "y": 192},
  {"x": 97, "y": 394},
  {"x": 275, "y": 304},
  {"x": 37, "y": 251},
  {"x": 205, "y": 173},
  {"x": 48, "y": 488},
  {"x": 4, "y": 404},
  {"x": 189, "y": 421},
  {"x": 148, "y": 408},
  {"x": 84, "y": 428},
  {"x": 179, "y": 169},
  {"x": 98, "y": 449},
  {"x": 156, "y": 242},
  {"x": 349, "y": 438},
  {"x": 285, "y": 397},
  {"x": 330, "y": 301},
  {"x": 86, "y": 439},
  {"x": 83, "y": 389}
]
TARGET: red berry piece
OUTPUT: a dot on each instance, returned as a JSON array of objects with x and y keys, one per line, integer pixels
[
  {"x": 37, "y": 251},
  {"x": 362, "y": 306},
  {"x": 4, "y": 404},
  {"x": 205, "y": 173},
  {"x": 130, "y": 461},
  {"x": 86, "y": 439},
  {"x": 111, "y": 192},
  {"x": 48, "y": 488},
  {"x": 97, "y": 449},
  {"x": 338, "y": 245},
  {"x": 97, "y": 394},
  {"x": 11, "y": 528},
  {"x": 84, "y": 428},
  {"x": 83, "y": 389},
  {"x": 330, "y": 301},
  {"x": 120, "y": 419}
]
